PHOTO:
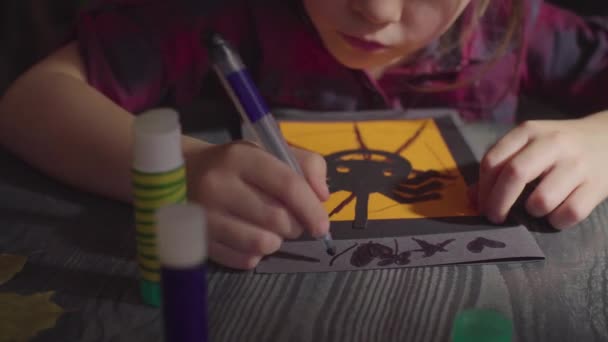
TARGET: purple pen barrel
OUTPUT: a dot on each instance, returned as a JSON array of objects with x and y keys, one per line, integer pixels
[
  {"x": 250, "y": 104},
  {"x": 182, "y": 247}
]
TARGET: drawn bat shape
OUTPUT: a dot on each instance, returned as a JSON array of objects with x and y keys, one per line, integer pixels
[
  {"x": 478, "y": 245},
  {"x": 367, "y": 252},
  {"x": 429, "y": 249}
]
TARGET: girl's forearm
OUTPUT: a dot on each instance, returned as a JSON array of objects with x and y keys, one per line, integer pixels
[
  {"x": 600, "y": 118},
  {"x": 56, "y": 122}
]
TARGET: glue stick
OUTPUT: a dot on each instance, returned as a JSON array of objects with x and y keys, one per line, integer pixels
[
  {"x": 159, "y": 178},
  {"x": 182, "y": 249}
]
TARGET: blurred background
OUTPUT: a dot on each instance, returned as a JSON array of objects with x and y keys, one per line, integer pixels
[{"x": 30, "y": 29}]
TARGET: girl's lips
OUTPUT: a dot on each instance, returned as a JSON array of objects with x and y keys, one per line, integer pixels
[{"x": 362, "y": 44}]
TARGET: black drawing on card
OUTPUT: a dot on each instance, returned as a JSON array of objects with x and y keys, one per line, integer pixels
[
  {"x": 365, "y": 253},
  {"x": 430, "y": 249},
  {"x": 331, "y": 262},
  {"x": 478, "y": 245},
  {"x": 365, "y": 171},
  {"x": 396, "y": 258},
  {"x": 292, "y": 256}
]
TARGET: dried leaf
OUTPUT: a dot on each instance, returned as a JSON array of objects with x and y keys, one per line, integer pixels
[
  {"x": 10, "y": 265},
  {"x": 23, "y": 317}
]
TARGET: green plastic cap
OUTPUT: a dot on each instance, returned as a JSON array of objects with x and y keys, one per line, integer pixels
[
  {"x": 482, "y": 325},
  {"x": 150, "y": 293}
]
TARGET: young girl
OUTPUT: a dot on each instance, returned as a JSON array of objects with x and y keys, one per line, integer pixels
[{"x": 70, "y": 114}]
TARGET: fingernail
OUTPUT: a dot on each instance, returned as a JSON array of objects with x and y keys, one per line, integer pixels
[
  {"x": 495, "y": 218},
  {"x": 325, "y": 188},
  {"x": 561, "y": 225},
  {"x": 323, "y": 227}
]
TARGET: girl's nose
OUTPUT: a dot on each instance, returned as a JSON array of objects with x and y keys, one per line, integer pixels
[{"x": 380, "y": 12}]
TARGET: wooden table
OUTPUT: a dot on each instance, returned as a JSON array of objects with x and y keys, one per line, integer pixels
[{"x": 83, "y": 248}]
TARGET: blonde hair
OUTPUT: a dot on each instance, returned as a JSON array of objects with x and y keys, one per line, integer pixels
[{"x": 513, "y": 35}]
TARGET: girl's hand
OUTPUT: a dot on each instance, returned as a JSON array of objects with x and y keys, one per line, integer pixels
[
  {"x": 571, "y": 159},
  {"x": 253, "y": 200}
]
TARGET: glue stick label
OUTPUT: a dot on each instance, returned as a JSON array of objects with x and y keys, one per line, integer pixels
[{"x": 152, "y": 191}]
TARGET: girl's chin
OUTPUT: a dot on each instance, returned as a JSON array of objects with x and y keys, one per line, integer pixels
[{"x": 369, "y": 62}]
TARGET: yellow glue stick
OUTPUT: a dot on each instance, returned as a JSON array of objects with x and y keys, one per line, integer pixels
[{"x": 159, "y": 178}]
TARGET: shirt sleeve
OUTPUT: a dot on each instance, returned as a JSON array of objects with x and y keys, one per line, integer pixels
[
  {"x": 567, "y": 61},
  {"x": 142, "y": 54}
]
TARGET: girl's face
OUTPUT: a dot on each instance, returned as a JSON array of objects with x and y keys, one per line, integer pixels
[{"x": 373, "y": 34}]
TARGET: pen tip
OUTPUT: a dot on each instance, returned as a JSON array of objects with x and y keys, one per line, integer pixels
[
  {"x": 213, "y": 39},
  {"x": 331, "y": 251}
]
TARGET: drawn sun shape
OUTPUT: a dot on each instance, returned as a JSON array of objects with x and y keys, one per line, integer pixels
[{"x": 363, "y": 171}]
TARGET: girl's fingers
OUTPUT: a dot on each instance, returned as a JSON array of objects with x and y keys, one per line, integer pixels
[
  {"x": 250, "y": 205},
  {"x": 241, "y": 236},
  {"x": 576, "y": 207},
  {"x": 496, "y": 157},
  {"x": 278, "y": 181},
  {"x": 227, "y": 256},
  {"x": 314, "y": 168},
  {"x": 554, "y": 188},
  {"x": 532, "y": 161},
  {"x": 278, "y": 216}
]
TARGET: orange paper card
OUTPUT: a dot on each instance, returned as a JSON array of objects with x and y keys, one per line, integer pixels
[{"x": 399, "y": 169}]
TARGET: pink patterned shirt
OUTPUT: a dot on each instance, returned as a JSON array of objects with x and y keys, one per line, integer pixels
[{"x": 146, "y": 53}]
